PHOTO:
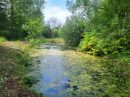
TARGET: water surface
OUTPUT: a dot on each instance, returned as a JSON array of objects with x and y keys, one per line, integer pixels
[
  {"x": 52, "y": 80},
  {"x": 68, "y": 74}
]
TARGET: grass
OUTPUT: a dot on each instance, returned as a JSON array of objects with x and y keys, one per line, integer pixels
[{"x": 14, "y": 65}]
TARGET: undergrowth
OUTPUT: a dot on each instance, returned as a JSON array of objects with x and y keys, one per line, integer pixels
[
  {"x": 15, "y": 62},
  {"x": 2, "y": 39}
]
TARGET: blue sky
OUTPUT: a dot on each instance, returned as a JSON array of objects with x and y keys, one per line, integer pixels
[
  {"x": 57, "y": 9},
  {"x": 58, "y": 3}
]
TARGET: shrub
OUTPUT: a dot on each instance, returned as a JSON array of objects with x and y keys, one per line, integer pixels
[
  {"x": 35, "y": 42},
  {"x": 34, "y": 28},
  {"x": 2, "y": 39},
  {"x": 98, "y": 52},
  {"x": 47, "y": 33},
  {"x": 29, "y": 80},
  {"x": 89, "y": 42}
]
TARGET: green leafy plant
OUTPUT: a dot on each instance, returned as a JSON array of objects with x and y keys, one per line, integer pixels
[
  {"x": 29, "y": 80},
  {"x": 2, "y": 39}
]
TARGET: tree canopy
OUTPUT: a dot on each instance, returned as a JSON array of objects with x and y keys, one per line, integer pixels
[{"x": 15, "y": 16}]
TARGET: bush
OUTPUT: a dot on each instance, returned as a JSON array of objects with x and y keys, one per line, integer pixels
[
  {"x": 24, "y": 58},
  {"x": 47, "y": 33},
  {"x": 98, "y": 52},
  {"x": 34, "y": 42},
  {"x": 29, "y": 80},
  {"x": 89, "y": 42},
  {"x": 34, "y": 28},
  {"x": 2, "y": 39}
]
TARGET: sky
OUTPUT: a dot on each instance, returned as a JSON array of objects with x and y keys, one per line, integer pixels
[{"x": 57, "y": 9}]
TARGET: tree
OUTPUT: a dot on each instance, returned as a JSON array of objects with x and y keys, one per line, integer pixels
[
  {"x": 53, "y": 22},
  {"x": 72, "y": 30},
  {"x": 107, "y": 32},
  {"x": 55, "y": 31},
  {"x": 3, "y": 16},
  {"x": 47, "y": 33},
  {"x": 108, "y": 20},
  {"x": 4, "y": 22},
  {"x": 34, "y": 28},
  {"x": 19, "y": 13}
]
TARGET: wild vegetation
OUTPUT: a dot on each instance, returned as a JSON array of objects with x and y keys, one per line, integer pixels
[
  {"x": 14, "y": 65},
  {"x": 96, "y": 27},
  {"x": 101, "y": 28},
  {"x": 19, "y": 20},
  {"x": 17, "y": 17}
]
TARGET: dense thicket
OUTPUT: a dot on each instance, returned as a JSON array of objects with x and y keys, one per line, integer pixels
[
  {"x": 16, "y": 16},
  {"x": 110, "y": 24},
  {"x": 47, "y": 33},
  {"x": 52, "y": 27},
  {"x": 106, "y": 26},
  {"x": 72, "y": 30},
  {"x": 50, "y": 32},
  {"x": 105, "y": 31}
]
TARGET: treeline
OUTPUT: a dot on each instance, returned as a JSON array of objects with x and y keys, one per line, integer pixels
[
  {"x": 16, "y": 17},
  {"x": 24, "y": 19},
  {"x": 101, "y": 28}
]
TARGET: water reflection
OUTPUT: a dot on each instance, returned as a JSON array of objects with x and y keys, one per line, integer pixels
[{"x": 53, "y": 81}]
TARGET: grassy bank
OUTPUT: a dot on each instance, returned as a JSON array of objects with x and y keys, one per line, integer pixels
[{"x": 14, "y": 65}]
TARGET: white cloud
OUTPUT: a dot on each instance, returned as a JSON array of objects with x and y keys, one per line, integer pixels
[{"x": 57, "y": 12}]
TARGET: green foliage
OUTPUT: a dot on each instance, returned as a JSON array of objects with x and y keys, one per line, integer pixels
[
  {"x": 29, "y": 80},
  {"x": 2, "y": 80},
  {"x": 4, "y": 23},
  {"x": 56, "y": 32},
  {"x": 47, "y": 33},
  {"x": 25, "y": 61},
  {"x": 98, "y": 52},
  {"x": 23, "y": 57},
  {"x": 51, "y": 32},
  {"x": 91, "y": 44},
  {"x": 16, "y": 68},
  {"x": 35, "y": 42},
  {"x": 14, "y": 18},
  {"x": 34, "y": 28},
  {"x": 2, "y": 39},
  {"x": 109, "y": 27},
  {"x": 107, "y": 32},
  {"x": 72, "y": 30},
  {"x": 88, "y": 42}
]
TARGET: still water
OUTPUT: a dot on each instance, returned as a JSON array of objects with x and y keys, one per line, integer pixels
[{"x": 66, "y": 73}]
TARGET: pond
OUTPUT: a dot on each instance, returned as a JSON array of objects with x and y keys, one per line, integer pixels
[{"x": 67, "y": 73}]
